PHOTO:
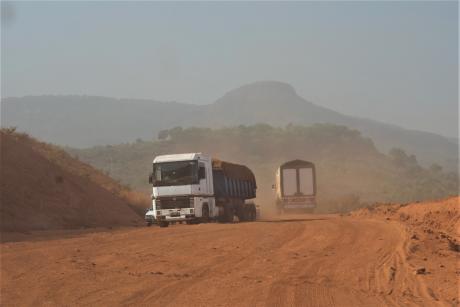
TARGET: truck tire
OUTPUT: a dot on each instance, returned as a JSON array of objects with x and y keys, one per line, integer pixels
[
  {"x": 242, "y": 213},
  {"x": 149, "y": 224},
  {"x": 252, "y": 213},
  {"x": 163, "y": 224},
  {"x": 204, "y": 214},
  {"x": 228, "y": 213}
]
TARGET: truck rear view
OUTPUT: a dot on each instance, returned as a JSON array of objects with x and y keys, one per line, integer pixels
[{"x": 296, "y": 187}]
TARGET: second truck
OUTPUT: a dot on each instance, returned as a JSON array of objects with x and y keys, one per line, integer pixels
[
  {"x": 194, "y": 187},
  {"x": 296, "y": 187}
]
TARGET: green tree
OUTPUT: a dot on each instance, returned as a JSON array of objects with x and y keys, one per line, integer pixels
[{"x": 163, "y": 134}]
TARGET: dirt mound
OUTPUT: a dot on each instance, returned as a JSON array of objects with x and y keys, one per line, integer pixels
[
  {"x": 431, "y": 245},
  {"x": 44, "y": 188},
  {"x": 442, "y": 217},
  {"x": 436, "y": 221}
]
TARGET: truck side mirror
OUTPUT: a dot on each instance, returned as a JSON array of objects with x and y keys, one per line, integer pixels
[
  {"x": 201, "y": 173},
  {"x": 151, "y": 178}
]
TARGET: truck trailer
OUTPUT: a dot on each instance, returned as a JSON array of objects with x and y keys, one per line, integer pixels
[
  {"x": 193, "y": 188},
  {"x": 296, "y": 187}
]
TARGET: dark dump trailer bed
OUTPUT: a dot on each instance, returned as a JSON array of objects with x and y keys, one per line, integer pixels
[{"x": 234, "y": 185}]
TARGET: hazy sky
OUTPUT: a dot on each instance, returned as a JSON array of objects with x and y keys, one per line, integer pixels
[{"x": 396, "y": 62}]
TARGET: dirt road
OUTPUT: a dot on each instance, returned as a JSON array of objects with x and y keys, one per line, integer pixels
[{"x": 308, "y": 261}]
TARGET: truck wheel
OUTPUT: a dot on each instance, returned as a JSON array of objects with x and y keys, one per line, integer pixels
[
  {"x": 221, "y": 218},
  {"x": 242, "y": 213},
  {"x": 252, "y": 213},
  {"x": 228, "y": 214},
  {"x": 164, "y": 224},
  {"x": 149, "y": 224},
  {"x": 205, "y": 214}
]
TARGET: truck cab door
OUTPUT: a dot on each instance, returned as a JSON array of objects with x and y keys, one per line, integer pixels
[{"x": 203, "y": 178}]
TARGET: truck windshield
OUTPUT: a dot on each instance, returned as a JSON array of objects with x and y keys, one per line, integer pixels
[{"x": 175, "y": 173}]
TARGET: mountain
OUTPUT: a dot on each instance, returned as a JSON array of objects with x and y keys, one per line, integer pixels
[
  {"x": 83, "y": 121},
  {"x": 44, "y": 188}
]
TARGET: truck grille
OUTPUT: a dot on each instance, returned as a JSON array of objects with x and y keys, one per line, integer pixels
[{"x": 173, "y": 203}]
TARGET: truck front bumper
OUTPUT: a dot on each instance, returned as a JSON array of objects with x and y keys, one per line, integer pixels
[{"x": 175, "y": 215}]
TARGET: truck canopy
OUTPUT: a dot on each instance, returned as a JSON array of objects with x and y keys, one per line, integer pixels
[{"x": 297, "y": 164}]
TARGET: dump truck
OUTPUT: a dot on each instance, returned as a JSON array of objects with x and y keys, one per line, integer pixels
[
  {"x": 195, "y": 188},
  {"x": 296, "y": 187}
]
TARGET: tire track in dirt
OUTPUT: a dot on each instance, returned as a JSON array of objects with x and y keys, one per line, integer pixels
[
  {"x": 313, "y": 280},
  {"x": 318, "y": 261}
]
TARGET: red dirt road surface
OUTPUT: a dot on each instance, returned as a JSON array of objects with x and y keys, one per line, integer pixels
[{"x": 309, "y": 260}]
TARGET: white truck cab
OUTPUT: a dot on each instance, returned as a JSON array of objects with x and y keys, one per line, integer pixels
[{"x": 182, "y": 184}]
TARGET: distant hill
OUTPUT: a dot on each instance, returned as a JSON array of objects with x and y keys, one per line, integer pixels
[
  {"x": 43, "y": 188},
  {"x": 83, "y": 121},
  {"x": 351, "y": 171}
]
